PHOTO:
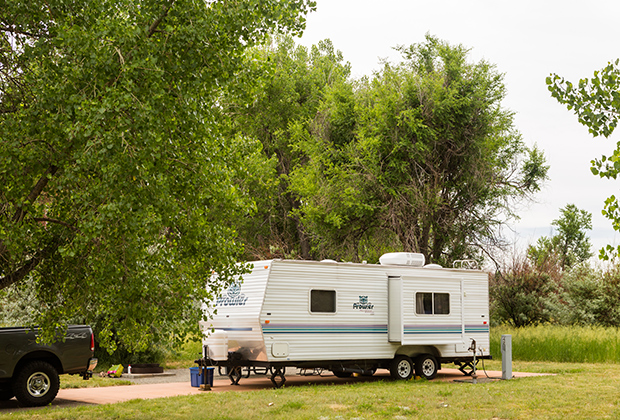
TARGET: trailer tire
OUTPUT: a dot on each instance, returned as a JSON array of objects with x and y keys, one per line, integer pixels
[
  {"x": 36, "y": 384},
  {"x": 426, "y": 366},
  {"x": 401, "y": 367}
]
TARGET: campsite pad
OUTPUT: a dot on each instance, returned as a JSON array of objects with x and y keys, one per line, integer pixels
[{"x": 114, "y": 394}]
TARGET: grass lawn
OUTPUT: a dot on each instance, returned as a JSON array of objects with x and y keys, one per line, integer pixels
[
  {"x": 577, "y": 391},
  {"x": 76, "y": 381}
]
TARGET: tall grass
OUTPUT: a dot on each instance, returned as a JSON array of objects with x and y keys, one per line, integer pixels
[{"x": 563, "y": 344}]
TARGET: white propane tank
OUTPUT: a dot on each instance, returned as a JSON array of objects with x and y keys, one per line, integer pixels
[
  {"x": 218, "y": 345},
  {"x": 402, "y": 258}
]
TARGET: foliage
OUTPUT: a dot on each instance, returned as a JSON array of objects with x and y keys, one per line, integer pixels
[
  {"x": 596, "y": 102},
  {"x": 18, "y": 305},
  {"x": 289, "y": 84},
  {"x": 521, "y": 295},
  {"x": 570, "y": 246},
  {"x": 592, "y": 297},
  {"x": 118, "y": 183},
  {"x": 421, "y": 155}
]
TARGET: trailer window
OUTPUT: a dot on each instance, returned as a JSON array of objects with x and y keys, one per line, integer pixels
[
  {"x": 441, "y": 303},
  {"x": 432, "y": 303},
  {"x": 323, "y": 301}
]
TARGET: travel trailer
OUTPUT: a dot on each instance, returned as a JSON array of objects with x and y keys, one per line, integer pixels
[{"x": 350, "y": 318}]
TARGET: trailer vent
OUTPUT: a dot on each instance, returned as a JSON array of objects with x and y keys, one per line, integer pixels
[{"x": 402, "y": 258}]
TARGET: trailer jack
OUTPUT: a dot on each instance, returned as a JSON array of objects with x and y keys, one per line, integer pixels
[
  {"x": 235, "y": 374},
  {"x": 467, "y": 368},
  {"x": 278, "y": 372}
]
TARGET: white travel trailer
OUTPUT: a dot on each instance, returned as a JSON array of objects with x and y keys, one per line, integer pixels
[{"x": 347, "y": 318}]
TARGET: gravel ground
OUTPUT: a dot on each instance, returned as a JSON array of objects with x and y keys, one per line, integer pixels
[
  {"x": 169, "y": 375},
  {"x": 177, "y": 375}
]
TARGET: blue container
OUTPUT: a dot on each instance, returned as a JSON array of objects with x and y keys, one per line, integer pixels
[{"x": 198, "y": 379}]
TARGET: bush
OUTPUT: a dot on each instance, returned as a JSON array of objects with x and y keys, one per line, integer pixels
[
  {"x": 522, "y": 295},
  {"x": 591, "y": 297}
]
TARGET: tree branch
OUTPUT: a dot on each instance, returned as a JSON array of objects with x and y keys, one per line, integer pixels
[
  {"x": 35, "y": 192},
  {"x": 18, "y": 32},
  {"x": 30, "y": 265},
  {"x": 155, "y": 24},
  {"x": 60, "y": 222}
]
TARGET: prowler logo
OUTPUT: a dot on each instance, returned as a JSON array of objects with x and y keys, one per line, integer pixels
[
  {"x": 363, "y": 304},
  {"x": 233, "y": 297}
]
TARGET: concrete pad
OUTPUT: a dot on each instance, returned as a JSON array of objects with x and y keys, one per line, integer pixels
[{"x": 107, "y": 395}]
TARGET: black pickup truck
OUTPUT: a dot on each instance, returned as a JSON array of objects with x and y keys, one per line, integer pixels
[{"x": 29, "y": 370}]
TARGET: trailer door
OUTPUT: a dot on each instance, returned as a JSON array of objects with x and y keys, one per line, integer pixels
[{"x": 395, "y": 309}]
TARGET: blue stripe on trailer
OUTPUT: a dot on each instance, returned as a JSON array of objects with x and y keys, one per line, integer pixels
[{"x": 319, "y": 329}]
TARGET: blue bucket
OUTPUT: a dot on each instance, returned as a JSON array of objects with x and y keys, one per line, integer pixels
[{"x": 197, "y": 379}]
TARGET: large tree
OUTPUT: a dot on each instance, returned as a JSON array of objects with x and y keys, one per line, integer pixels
[
  {"x": 116, "y": 185},
  {"x": 569, "y": 246},
  {"x": 422, "y": 156},
  {"x": 291, "y": 81},
  {"x": 596, "y": 102}
]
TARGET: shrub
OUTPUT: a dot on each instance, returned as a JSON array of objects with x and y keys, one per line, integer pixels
[{"x": 522, "y": 295}]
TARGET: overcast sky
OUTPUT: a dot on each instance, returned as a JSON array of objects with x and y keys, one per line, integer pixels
[{"x": 527, "y": 40}]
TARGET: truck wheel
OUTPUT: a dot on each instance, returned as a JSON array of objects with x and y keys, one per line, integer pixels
[
  {"x": 36, "y": 384},
  {"x": 426, "y": 366},
  {"x": 401, "y": 367}
]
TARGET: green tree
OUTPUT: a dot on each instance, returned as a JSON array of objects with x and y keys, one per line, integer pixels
[
  {"x": 570, "y": 246},
  {"x": 290, "y": 82},
  {"x": 596, "y": 102},
  {"x": 421, "y": 156},
  {"x": 117, "y": 185},
  {"x": 521, "y": 295},
  {"x": 591, "y": 297}
]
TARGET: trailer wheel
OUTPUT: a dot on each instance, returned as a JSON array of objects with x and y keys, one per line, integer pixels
[
  {"x": 36, "y": 384},
  {"x": 401, "y": 367},
  {"x": 426, "y": 366}
]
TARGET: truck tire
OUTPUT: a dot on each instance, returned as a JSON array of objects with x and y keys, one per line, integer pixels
[
  {"x": 36, "y": 384},
  {"x": 401, "y": 367},
  {"x": 426, "y": 366}
]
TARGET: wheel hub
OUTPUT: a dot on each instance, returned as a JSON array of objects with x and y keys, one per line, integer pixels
[
  {"x": 428, "y": 367},
  {"x": 404, "y": 369},
  {"x": 38, "y": 384}
]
